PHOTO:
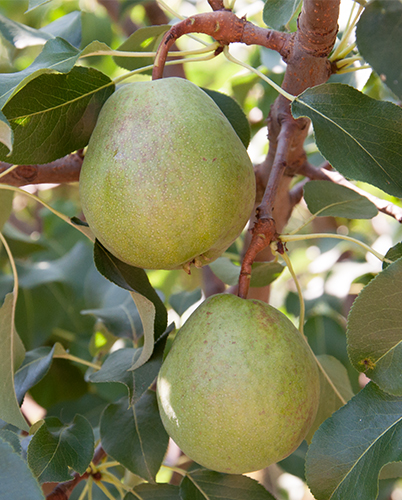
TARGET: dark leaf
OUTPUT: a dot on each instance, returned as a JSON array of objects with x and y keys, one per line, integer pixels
[
  {"x": 6, "y": 205},
  {"x": 379, "y": 37},
  {"x": 375, "y": 330},
  {"x": 154, "y": 492},
  {"x": 325, "y": 199},
  {"x": 183, "y": 300},
  {"x": 61, "y": 117},
  {"x": 135, "y": 436},
  {"x": 55, "y": 447},
  {"x": 393, "y": 254},
  {"x": 204, "y": 484},
  {"x": 352, "y": 446},
  {"x": 263, "y": 273},
  {"x": 359, "y": 136},
  {"x": 233, "y": 113},
  {"x": 14, "y": 471}
]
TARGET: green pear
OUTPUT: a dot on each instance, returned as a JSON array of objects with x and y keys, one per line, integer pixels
[
  {"x": 166, "y": 182},
  {"x": 239, "y": 389}
]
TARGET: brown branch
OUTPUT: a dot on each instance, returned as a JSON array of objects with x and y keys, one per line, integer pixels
[
  {"x": 63, "y": 490},
  {"x": 216, "y": 5},
  {"x": 225, "y": 27},
  {"x": 322, "y": 173},
  {"x": 65, "y": 169}
]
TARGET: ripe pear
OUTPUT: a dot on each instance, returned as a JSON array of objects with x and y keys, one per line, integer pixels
[
  {"x": 166, "y": 182},
  {"x": 239, "y": 388}
]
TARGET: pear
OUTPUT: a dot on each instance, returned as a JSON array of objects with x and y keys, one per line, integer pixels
[
  {"x": 166, "y": 182},
  {"x": 239, "y": 388}
]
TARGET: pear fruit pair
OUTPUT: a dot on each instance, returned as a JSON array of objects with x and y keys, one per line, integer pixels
[
  {"x": 166, "y": 183},
  {"x": 239, "y": 389}
]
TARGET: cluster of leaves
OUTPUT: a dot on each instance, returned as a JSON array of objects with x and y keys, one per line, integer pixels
[{"x": 68, "y": 316}]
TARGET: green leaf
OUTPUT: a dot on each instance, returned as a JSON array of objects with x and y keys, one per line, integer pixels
[
  {"x": 11, "y": 438},
  {"x": 6, "y": 133},
  {"x": 359, "y": 136},
  {"x": 36, "y": 3},
  {"x": 142, "y": 40},
  {"x": 34, "y": 367},
  {"x": 55, "y": 447},
  {"x": 60, "y": 119},
  {"x": 277, "y": 13},
  {"x": 135, "y": 436},
  {"x": 6, "y": 205},
  {"x": 17, "y": 481},
  {"x": 379, "y": 37},
  {"x": 234, "y": 113},
  {"x": 154, "y": 492},
  {"x": 325, "y": 199},
  {"x": 375, "y": 330},
  {"x": 57, "y": 56},
  {"x": 352, "y": 446},
  {"x": 116, "y": 368},
  {"x": 393, "y": 254},
  {"x": 183, "y": 300},
  {"x": 11, "y": 355},
  {"x": 21, "y": 35},
  {"x": 329, "y": 399},
  {"x": 204, "y": 484},
  {"x": 263, "y": 273},
  {"x": 151, "y": 308}
]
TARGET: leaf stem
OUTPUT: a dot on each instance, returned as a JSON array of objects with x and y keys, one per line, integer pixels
[
  {"x": 286, "y": 258},
  {"x": 302, "y": 237},
  {"x": 279, "y": 89},
  {"x": 56, "y": 212},
  {"x": 122, "y": 53},
  {"x": 8, "y": 170},
  {"x": 105, "y": 491},
  {"x": 77, "y": 360}
]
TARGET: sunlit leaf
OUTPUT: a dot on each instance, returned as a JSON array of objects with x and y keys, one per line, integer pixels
[
  {"x": 379, "y": 37},
  {"x": 333, "y": 200},
  {"x": 11, "y": 356},
  {"x": 15, "y": 471},
  {"x": 55, "y": 447},
  {"x": 60, "y": 119},
  {"x": 352, "y": 446},
  {"x": 359, "y": 136},
  {"x": 142, "y": 40},
  {"x": 135, "y": 436},
  {"x": 375, "y": 330},
  {"x": 36, "y": 3},
  {"x": 204, "y": 484}
]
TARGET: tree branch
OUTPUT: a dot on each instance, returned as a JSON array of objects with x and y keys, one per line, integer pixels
[
  {"x": 65, "y": 169},
  {"x": 225, "y": 27}
]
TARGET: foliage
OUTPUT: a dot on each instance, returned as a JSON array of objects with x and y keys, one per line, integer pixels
[{"x": 83, "y": 335}]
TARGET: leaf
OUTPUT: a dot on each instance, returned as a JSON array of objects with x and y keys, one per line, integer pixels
[
  {"x": 55, "y": 447},
  {"x": 14, "y": 471},
  {"x": 375, "y": 330},
  {"x": 154, "y": 492},
  {"x": 204, "y": 484},
  {"x": 11, "y": 352},
  {"x": 352, "y": 446},
  {"x": 36, "y": 3},
  {"x": 11, "y": 438},
  {"x": 234, "y": 113},
  {"x": 135, "y": 436},
  {"x": 6, "y": 133},
  {"x": 329, "y": 399},
  {"x": 359, "y": 136},
  {"x": 21, "y": 35},
  {"x": 6, "y": 205},
  {"x": 34, "y": 367},
  {"x": 277, "y": 13},
  {"x": 57, "y": 56},
  {"x": 393, "y": 254},
  {"x": 378, "y": 37},
  {"x": 116, "y": 368},
  {"x": 183, "y": 300},
  {"x": 263, "y": 273},
  {"x": 150, "y": 307},
  {"x": 60, "y": 119},
  {"x": 142, "y": 40},
  {"x": 325, "y": 199}
]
